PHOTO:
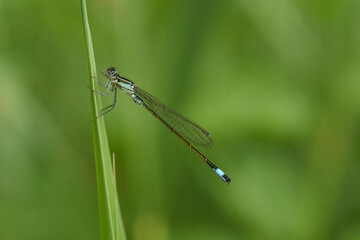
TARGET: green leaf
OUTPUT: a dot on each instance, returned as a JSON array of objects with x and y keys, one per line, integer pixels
[{"x": 109, "y": 210}]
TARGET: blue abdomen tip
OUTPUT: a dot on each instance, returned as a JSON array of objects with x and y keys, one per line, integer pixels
[
  {"x": 222, "y": 175},
  {"x": 219, "y": 172}
]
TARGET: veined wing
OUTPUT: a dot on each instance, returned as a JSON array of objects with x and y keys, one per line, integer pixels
[{"x": 187, "y": 129}]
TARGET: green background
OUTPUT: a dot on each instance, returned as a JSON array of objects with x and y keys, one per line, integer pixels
[{"x": 277, "y": 83}]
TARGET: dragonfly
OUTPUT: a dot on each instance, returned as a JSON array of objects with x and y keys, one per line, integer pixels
[{"x": 189, "y": 132}]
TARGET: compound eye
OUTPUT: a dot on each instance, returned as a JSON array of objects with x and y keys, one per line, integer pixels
[{"x": 112, "y": 70}]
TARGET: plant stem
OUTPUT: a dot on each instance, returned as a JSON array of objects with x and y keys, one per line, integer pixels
[{"x": 109, "y": 210}]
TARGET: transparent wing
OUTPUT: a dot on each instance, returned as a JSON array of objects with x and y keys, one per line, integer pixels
[{"x": 187, "y": 129}]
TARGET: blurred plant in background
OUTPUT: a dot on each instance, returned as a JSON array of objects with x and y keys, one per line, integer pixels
[{"x": 275, "y": 83}]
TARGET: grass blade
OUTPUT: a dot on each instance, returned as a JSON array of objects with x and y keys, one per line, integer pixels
[{"x": 109, "y": 210}]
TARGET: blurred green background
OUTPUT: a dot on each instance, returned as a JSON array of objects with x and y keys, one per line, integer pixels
[{"x": 275, "y": 82}]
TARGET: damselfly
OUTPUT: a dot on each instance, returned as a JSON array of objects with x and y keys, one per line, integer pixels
[{"x": 186, "y": 130}]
